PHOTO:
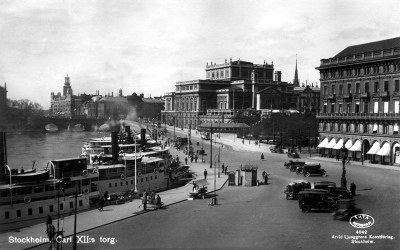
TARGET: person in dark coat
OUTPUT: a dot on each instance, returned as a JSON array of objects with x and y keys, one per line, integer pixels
[
  {"x": 353, "y": 188},
  {"x": 205, "y": 174},
  {"x": 102, "y": 202},
  {"x": 186, "y": 160},
  {"x": 265, "y": 176},
  {"x": 158, "y": 202},
  {"x": 262, "y": 156},
  {"x": 223, "y": 168},
  {"x": 144, "y": 201}
]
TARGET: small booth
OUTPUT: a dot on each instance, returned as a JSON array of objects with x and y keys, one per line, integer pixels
[
  {"x": 231, "y": 178},
  {"x": 249, "y": 173}
]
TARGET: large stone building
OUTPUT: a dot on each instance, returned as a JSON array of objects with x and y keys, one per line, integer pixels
[
  {"x": 3, "y": 100},
  {"x": 360, "y": 102},
  {"x": 230, "y": 88}
]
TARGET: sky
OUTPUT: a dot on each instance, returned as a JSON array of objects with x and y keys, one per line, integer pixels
[{"x": 147, "y": 46}]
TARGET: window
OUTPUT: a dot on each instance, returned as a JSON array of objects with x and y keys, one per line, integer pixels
[
  {"x": 366, "y": 88},
  {"x": 366, "y": 107},
  {"x": 333, "y": 107},
  {"x": 131, "y": 182},
  {"x": 376, "y": 87},
  {"x": 396, "y": 129},
  {"x": 358, "y": 88},
  {"x": 348, "y": 110},
  {"x": 40, "y": 210},
  {"x": 357, "y": 108},
  {"x": 7, "y": 215},
  {"x": 325, "y": 90},
  {"x": 332, "y": 126},
  {"x": 385, "y": 107},
  {"x": 339, "y": 128},
  {"x": 340, "y": 108},
  {"x": 333, "y": 89},
  {"x": 121, "y": 183},
  {"x": 115, "y": 184},
  {"x": 340, "y": 89},
  {"x": 155, "y": 177},
  {"x": 51, "y": 208},
  {"x": 396, "y": 107},
  {"x": 348, "y": 88},
  {"x": 347, "y": 127},
  {"x": 325, "y": 109},
  {"x": 18, "y": 213},
  {"x": 109, "y": 185},
  {"x": 365, "y": 128},
  {"x": 29, "y": 211},
  {"x": 80, "y": 203},
  {"x": 385, "y": 129},
  {"x": 356, "y": 128},
  {"x": 126, "y": 183},
  {"x": 375, "y": 128},
  {"x": 71, "y": 204},
  {"x": 386, "y": 86},
  {"x": 376, "y": 107},
  {"x": 396, "y": 85}
]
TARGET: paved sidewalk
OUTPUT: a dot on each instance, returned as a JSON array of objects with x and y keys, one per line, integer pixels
[
  {"x": 357, "y": 163},
  {"x": 94, "y": 218}
]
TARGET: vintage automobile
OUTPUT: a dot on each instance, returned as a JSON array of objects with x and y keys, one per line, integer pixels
[
  {"x": 345, "y": 210},
  {"x": 299, "y": 169},
  {"x": 313, "y": 169},
  {"x": 319, "y": 200},
  {"x": 292, "y": 165},
  {"x": 292, "y": 189},
  {"x": 276, "y": 149},
  {"x": 293, "y": 154},
  {"x": 324, "y": 184}
]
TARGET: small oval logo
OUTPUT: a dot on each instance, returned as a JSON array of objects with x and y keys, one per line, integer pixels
[{"x": 362, "y": 221}]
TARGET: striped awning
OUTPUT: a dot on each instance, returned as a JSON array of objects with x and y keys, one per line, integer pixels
[
  {"x": 323, "y": 143},
  {"x": 331, "y": 144},
  {"x": 385, "y": 150},
  {"x": 356, "y": 146},
  {"x": 374, "y": 149},
  {"x": 339, "y": 144},
  {"x": 348, "y": 144}
]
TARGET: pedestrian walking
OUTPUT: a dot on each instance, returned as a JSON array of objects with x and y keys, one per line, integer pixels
[
  {"x": 205, "y": 174},
  {"x": 191, "y": 159},
  {"x": 186, "y": 159},
  {"x": 353, "y": 188},
  {"x": 223, "y": 168},
  {"x": 49, "y": 221},
  {"x": 177, "y": 159},
  {"x": 265, "y": 177},
  {"x": 195, "y": 158},
  {"x": 226, "y": 169},
  {"x": 144, "y": 201},
  {"x": 102, "y": 202},
  {"x": 158, "y": 202},
  {"x": 262, "y": 156}
]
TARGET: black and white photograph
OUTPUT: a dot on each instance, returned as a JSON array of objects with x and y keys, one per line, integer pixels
[{"x": 199, "y": 124}]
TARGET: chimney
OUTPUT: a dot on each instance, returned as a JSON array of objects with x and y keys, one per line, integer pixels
[
  {"x": 278, "y": 76},
  {"x": 3, "y": 157},
  {"x": 128, "y": 134},
  {"x": 143, "y": 137},
  {"x": 114, "y": 147}
]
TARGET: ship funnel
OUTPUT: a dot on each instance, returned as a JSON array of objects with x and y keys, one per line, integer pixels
[
  {"x": 114, "y": 147},
  {"x": 128, "y": 134},
  {"x": 3, "y": 156},
  {"x": 143, "y": 137}
]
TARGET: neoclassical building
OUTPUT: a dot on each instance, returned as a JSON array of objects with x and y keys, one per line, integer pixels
[
  {"x": 234, "y": 87},
  {"x": 360, "y": 102}
]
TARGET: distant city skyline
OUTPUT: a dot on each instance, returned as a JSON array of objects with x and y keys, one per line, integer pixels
[{"x": 147, "y": 46}]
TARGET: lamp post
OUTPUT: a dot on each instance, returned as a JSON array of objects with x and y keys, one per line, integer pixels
[
  {"x": 54, "y": 176},
  {"x": 135, "y": 165},
  {"x": 343, "y": 181},
  {"x": 211, "y": 135}
]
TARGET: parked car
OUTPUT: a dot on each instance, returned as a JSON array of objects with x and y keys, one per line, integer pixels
[
  {"x": 292, "y": 165},
  {"x": 313, "y": 169},
  {"x": 319, "y": 200},
  {"x": 299, "y": 169},
  {"x": 324, "y": 184},
  {"x": 293, "y": 154},
  {"x": 292, "y": 189},
  {"x": 276, "y": 149}
]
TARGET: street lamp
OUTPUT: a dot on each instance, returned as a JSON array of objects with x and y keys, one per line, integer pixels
[
  {"x": 9, "y": 170},
  {"x": 344, "y": 153}
]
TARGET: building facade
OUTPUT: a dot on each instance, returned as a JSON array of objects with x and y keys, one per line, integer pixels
[
  {"x": 231, "y": 88},
  {"x": 3, "y": 100},
  {"x": 360, "y": 102}
]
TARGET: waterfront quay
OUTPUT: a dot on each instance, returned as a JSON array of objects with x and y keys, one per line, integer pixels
[{"x": 256, "y": 217}]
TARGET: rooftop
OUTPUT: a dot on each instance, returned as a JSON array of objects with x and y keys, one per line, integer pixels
[{"x": 372, "y": 46}]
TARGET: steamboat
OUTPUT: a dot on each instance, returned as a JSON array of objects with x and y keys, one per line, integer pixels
[{"x": 28, "y": 196}]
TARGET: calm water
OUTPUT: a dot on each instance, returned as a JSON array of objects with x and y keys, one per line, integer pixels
[{"x": 23, "y": 148}]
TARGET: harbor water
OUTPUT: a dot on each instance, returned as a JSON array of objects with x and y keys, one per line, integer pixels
[{"x": 24, "y": 148}]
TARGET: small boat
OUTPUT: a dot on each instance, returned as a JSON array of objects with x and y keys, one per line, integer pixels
[{"x": 51, "y": 127}]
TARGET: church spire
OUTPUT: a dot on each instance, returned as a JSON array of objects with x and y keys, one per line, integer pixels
[{"x": 296, "y": 82}]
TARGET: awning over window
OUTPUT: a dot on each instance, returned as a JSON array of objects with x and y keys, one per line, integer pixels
[
  {"x": 331, "y": 144},
  {"x": 338, "y": 145},
  {"x": 348, "y": 144},
  {"x": 385, "y": 150},
  {"x": 356, "y": 146},
  {"x": 323, "y": 143},
  {"x": 374, "y": 149}
]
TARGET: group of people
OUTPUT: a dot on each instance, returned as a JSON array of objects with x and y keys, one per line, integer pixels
[
  {"x": 152, "y": 199},
  {"x": 192, "y": 158}
]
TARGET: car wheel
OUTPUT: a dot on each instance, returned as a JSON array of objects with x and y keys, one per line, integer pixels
[
  {"x": 307, "y": 174},
  {"x": 324, "y": 174},
  {"x": 305, "y": 208}
]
